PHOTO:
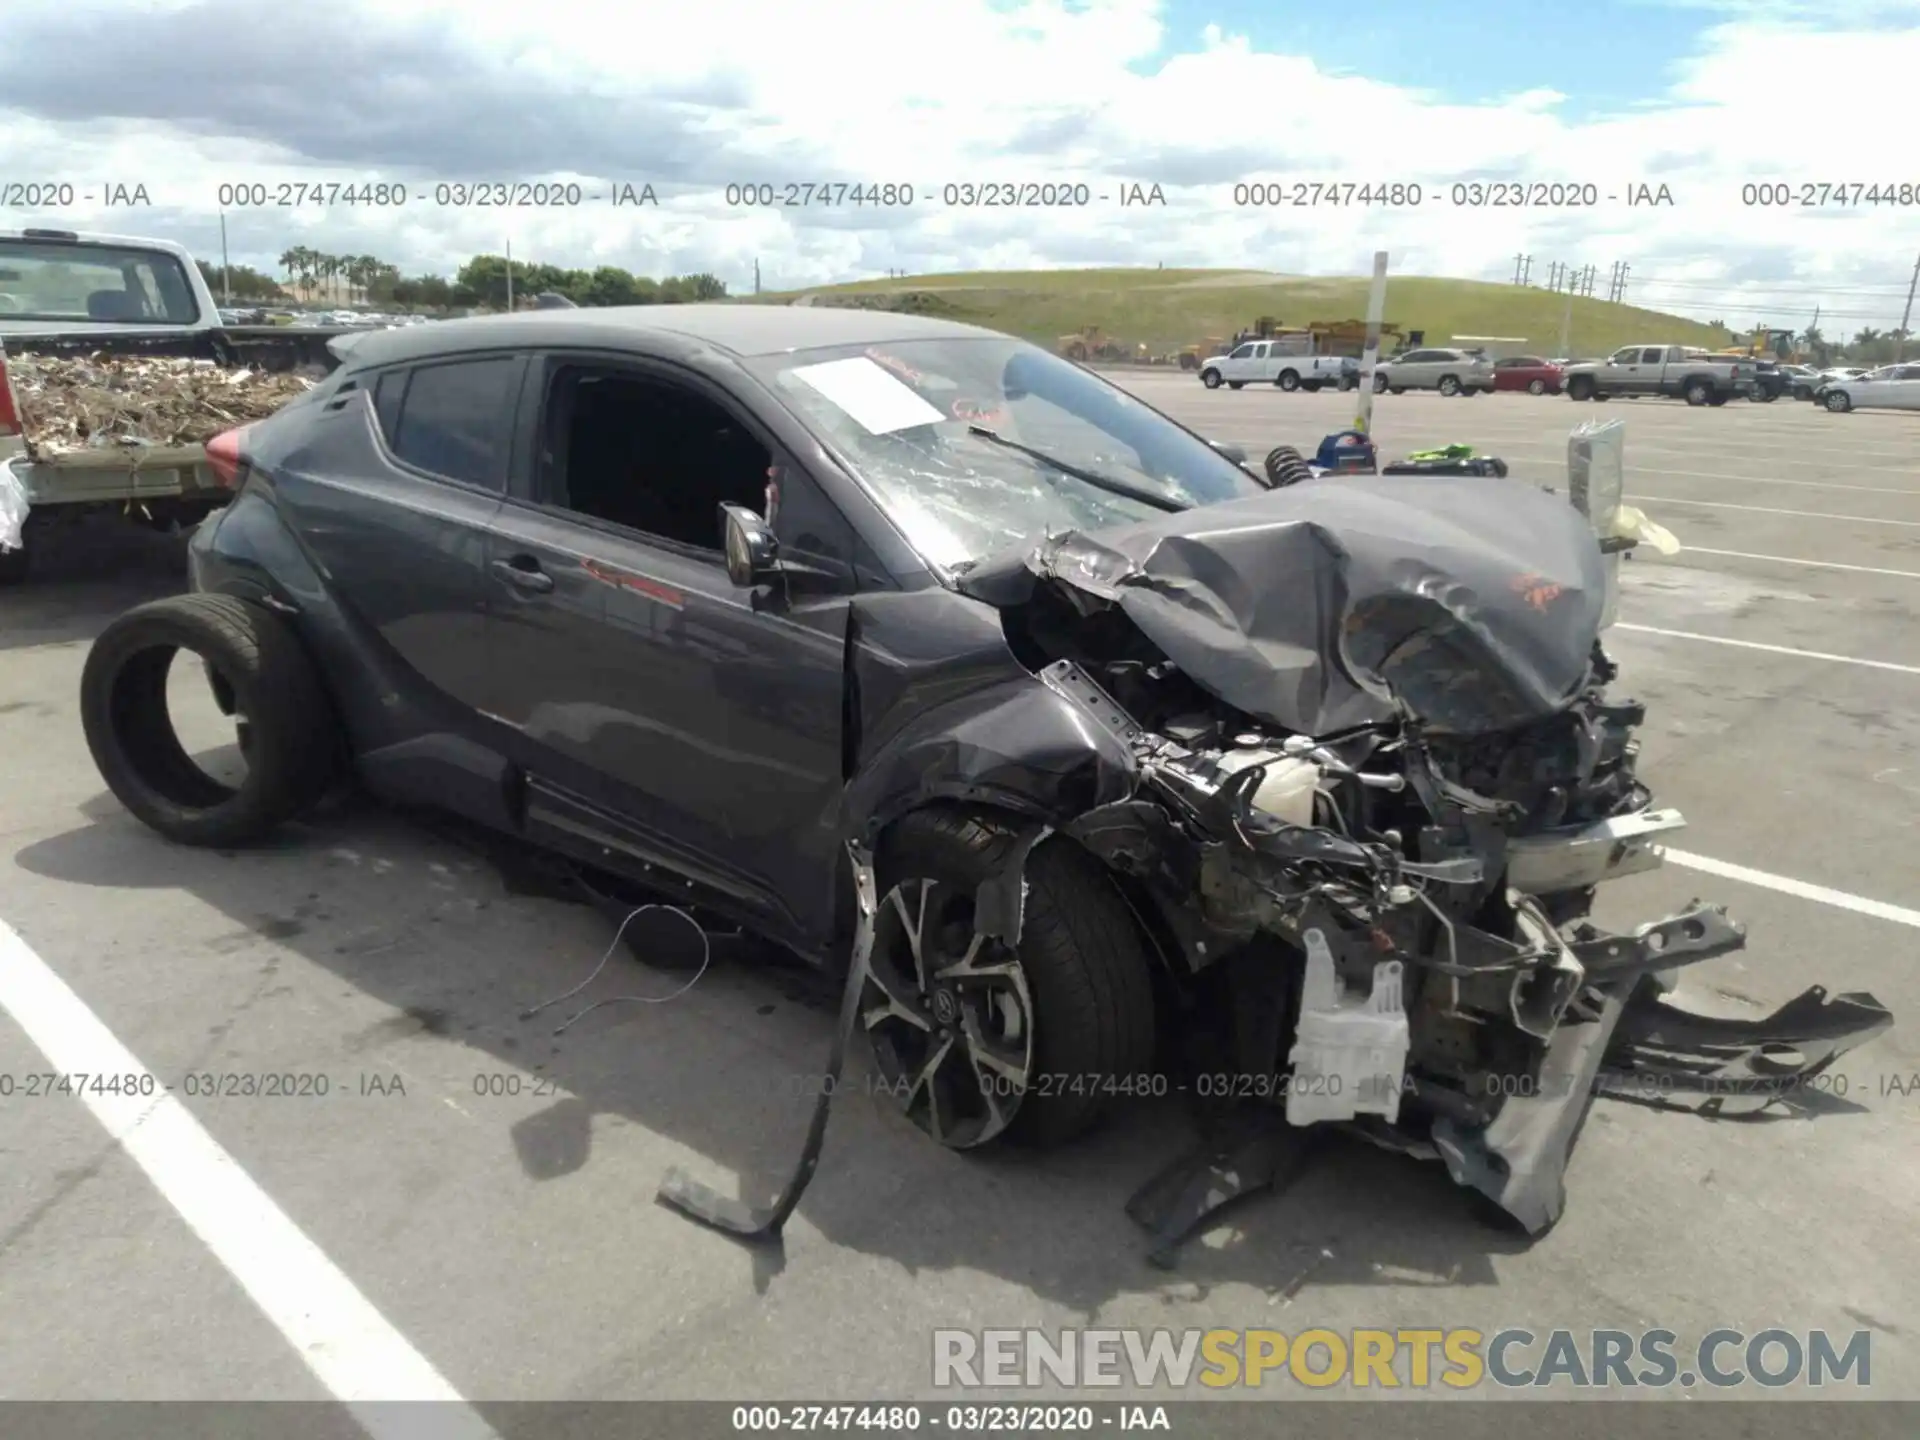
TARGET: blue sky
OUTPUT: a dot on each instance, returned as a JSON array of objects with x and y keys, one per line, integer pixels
[{"x": 1603, "y": 55}]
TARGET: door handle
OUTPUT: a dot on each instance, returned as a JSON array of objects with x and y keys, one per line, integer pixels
[{"x": 523, "y": 572}]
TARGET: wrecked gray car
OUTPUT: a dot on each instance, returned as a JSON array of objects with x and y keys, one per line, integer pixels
[{"x": 1081, "y": 753}]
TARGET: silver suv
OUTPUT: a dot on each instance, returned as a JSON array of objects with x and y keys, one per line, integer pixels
[{"x": 1451, "y": 372}]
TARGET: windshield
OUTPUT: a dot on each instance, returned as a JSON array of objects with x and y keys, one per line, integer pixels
[
  {"x": 93, "y": 284},
  {"x": 904, "y": 415}
]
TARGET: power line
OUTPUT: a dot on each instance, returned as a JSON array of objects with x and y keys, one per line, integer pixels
[{"x": 1795, "y": 287}]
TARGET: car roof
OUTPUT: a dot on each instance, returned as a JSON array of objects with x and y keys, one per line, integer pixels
[
  {"x": 743, "y": 330},
  {"x": 53, "y": 235}
]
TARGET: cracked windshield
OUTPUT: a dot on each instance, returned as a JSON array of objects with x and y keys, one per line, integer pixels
[{"x": 976, "y": 445}]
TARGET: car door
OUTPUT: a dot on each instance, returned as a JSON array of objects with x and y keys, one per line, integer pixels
[
  {"x": 1238, "y": 366},
  {"x": 1265, "y": 363},
  {"x": 1903, "y": 389},
  {"x": 661, "y": 711},
  {"x": 391, "y": 481}
]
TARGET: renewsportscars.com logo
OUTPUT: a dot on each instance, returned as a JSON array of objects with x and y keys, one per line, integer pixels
[{"x": 1458, "y": 1359}]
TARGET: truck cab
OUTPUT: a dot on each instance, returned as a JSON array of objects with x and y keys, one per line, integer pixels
[
  {"x": 59, "y": 282},
  {"x": 1678, "y": 371}
]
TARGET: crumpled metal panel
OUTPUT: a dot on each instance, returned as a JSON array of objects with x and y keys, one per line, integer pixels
[{"x": 1473, "y": 601}]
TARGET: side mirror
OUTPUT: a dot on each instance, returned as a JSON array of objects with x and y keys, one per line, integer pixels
[
  {"x": 1229, "y": 452},
  {"x": 753, "y": 554}
]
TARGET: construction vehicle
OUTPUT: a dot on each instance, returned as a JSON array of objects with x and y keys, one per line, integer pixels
[
  {"x": 1766, "y": 344},
  {"x": 1091, "y": 343},
  {"x": 1349, "y": 337}
]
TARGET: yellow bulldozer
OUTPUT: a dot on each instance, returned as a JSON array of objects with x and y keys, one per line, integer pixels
[
  {"x": 1191, "y": 356},
  {"x": 1762, "y": 343}
]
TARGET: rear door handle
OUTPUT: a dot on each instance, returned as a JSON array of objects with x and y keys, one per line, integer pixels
[{"x": 523, "y": 572}]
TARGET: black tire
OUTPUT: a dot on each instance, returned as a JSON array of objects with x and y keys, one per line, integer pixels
[
  {"x": 1697, "y": 392},
  {"x": 1349, "y": 382},
  {"x": 1235, "y": 384},
  {"x": 1580, "y": 388},
  {"x": 1536, "y": 387},
  {"x": 15, "y": 565},
  {"x": 1379, "y": 384},
  {"x": 1083, "y": 957},
  {"x": 1838, "y": 401},
  {"x": 291, "y": 734},
  {"x": 1288, "y": 380},
  {"x": 1210, "y": 378},
  {"x": 1449, "y": 385},
  {"x": 1718, "y": 400},
  {"x": 1397, "y": 389},
  {"x": 1312, "y": 387}
]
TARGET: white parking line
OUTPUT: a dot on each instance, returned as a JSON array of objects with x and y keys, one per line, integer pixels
[
  {"x": 1859, "y": 904},
  {"x": 1770, "y": 649},
  {"x": 1796, "y": 560},
  {"x": 1771, "y": 510},
  {"x": 352, "y": 1350}
]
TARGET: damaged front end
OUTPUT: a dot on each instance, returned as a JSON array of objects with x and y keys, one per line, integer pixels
[{"x": 1377, "y": 759}]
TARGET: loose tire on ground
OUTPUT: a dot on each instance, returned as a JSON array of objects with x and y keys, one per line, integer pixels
[
  {"x": 1084, "y": 957},
  {"x": 291, "y": 740}
]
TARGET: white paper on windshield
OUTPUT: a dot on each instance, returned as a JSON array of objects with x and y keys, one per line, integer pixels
[{"x": 880, "y": 403}]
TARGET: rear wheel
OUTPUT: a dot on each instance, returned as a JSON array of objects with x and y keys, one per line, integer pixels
[
  {"x": 260, "y": 676},
  {"x": 1698, "y": 392},
  {"x": 976, "y": 1040},
  {"x": 1536, "y": 387}
]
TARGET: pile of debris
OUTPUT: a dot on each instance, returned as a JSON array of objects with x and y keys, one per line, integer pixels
[{"x": 70, "y": 403}]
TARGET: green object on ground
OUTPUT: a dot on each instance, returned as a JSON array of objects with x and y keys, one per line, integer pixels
[{"x": 1445, "y": 452}]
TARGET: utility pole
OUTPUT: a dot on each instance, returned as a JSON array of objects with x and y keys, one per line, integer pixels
[
  {"x": 509, "y": 277},
  {"x": 1518, "y": 261},
  {"x": 1526, "y": 272},
  {"x": 756, "y": 277},
  {"x": 226, "y": 267},
  {"x": 1566, "y": 327},
  {"x": 1370, "y": 356},
  {"x": 1906, "y": 315}
]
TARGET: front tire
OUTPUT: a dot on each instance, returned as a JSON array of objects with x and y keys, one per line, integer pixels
[
  {"x": 260, "y": 673},
  {"x": 1839, "y": 402},
  {"x": 1580, "y": 388},
  {"x": 978, "y": 1042},
  {"x": 1536, "y": 387},
  {"x": 1288, "y": 381},
  {"x": 1449, "y": 385},
  {"x": 1210, "y": 379},
  {"x": 1379, "y": 384}
]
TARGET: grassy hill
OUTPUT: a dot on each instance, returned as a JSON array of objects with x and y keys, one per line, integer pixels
[{"x": 1166, "y": 309}]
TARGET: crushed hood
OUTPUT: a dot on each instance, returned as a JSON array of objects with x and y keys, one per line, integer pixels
[{"x": 1472, "y": 601}]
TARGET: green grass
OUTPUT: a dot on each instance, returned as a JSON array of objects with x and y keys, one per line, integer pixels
[{"x": 1166, "y": 309}]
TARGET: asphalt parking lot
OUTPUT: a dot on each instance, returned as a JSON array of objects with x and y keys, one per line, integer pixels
[{"x": 487, "y": 1187}]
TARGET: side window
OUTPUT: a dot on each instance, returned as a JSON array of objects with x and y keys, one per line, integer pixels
[
  {"x": 387, "y": 396},
  {"x": 1629, "y": 356},
  {"x": 1653, "y": 356},
  {"x": 645, "y": 453},
  {"x": 456, "y": 420}
]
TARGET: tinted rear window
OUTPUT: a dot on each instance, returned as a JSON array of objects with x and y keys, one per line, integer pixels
[
  {"x": 456, "y": 419},
  {"x": 88, "y": 284}
]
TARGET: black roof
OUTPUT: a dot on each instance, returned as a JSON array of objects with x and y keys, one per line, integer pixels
[{"x": 743, "y": 330}]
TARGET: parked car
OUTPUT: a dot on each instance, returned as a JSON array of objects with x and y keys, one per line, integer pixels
[
  {"x": 1831, "y": 376},
  {"x": 1451, "y": 372},
  {"x": 1274, "y": 362},
  {"x": 1891, "y": 387},
  {"x": 1677, "y": 371},
  {"x": 1800, "y": 380},
  {"x": 896, "y": 641},
  {"x": 1529, "y": 373}
]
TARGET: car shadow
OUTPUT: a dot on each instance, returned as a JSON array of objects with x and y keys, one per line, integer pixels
[
  {"x": 459, "y": 940},
  {"x": 85, "y": 574}
]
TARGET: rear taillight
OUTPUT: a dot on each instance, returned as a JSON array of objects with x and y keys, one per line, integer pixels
[
  {"x": 224, "y": 459},
  {"x": 9, "y": 412}
]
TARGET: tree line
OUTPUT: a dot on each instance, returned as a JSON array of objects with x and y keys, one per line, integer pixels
[{"x": 316, "y": 277}]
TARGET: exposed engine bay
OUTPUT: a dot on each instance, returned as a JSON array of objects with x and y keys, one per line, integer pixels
[{"x": 1371, "y": 778}]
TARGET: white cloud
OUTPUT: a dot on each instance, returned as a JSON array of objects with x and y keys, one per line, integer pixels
[{"x": 923, "y": 92}]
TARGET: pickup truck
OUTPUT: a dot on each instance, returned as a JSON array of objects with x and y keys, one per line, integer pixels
[
  {"x": 1278, "y": 362},
  {"x": 63, "y": 293},
  {"x": 1677, "y": 371}
]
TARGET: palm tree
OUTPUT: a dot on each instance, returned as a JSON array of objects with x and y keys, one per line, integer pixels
[{"x": 290, "y": 262}]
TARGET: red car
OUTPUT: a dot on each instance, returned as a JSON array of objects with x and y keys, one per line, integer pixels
[{"x": 1529, "y": 373}]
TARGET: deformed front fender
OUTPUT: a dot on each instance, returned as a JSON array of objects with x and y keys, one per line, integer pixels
[
  {"x": 941, "y": 710},
  {"x": 1016, "y": 745}
]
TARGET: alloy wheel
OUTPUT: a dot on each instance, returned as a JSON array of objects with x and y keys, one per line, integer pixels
[{"x": 949, "y": 1015}]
